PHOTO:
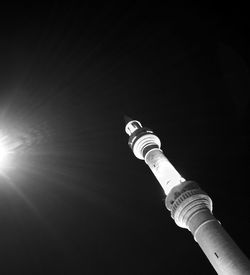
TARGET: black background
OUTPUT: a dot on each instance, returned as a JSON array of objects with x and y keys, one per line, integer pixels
[{"x": 78, "y": 201}]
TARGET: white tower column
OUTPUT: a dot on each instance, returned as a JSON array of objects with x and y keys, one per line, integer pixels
[{"x": 190, "y": 206}]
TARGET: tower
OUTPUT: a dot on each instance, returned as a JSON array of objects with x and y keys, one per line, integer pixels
[{"x": 190, "y": 206}]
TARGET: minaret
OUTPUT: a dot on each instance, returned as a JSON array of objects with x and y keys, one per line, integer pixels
[{"x": 189, "y": 205}]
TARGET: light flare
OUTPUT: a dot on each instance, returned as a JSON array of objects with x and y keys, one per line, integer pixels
[{"x": 8, "y": 149}]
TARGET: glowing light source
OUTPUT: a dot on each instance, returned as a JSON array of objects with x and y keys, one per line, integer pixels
[
  {"x": 5, "y": 152},
  {"x": 8, "y": 149},
  {"x": 16, "y": 147}
]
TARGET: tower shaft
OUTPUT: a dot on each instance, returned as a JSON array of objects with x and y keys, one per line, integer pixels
[
  {"x": 222, "y": 252},
  {"x": 191, "y": 208}
]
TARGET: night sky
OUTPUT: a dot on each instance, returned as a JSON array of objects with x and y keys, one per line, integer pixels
[{"x": 74, "y": 199}]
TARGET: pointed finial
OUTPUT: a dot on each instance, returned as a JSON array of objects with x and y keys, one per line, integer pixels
[{"x": 127, "y": 119}]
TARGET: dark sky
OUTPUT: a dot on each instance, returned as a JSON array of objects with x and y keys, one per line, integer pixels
[{"x": 77, "y": 201}]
